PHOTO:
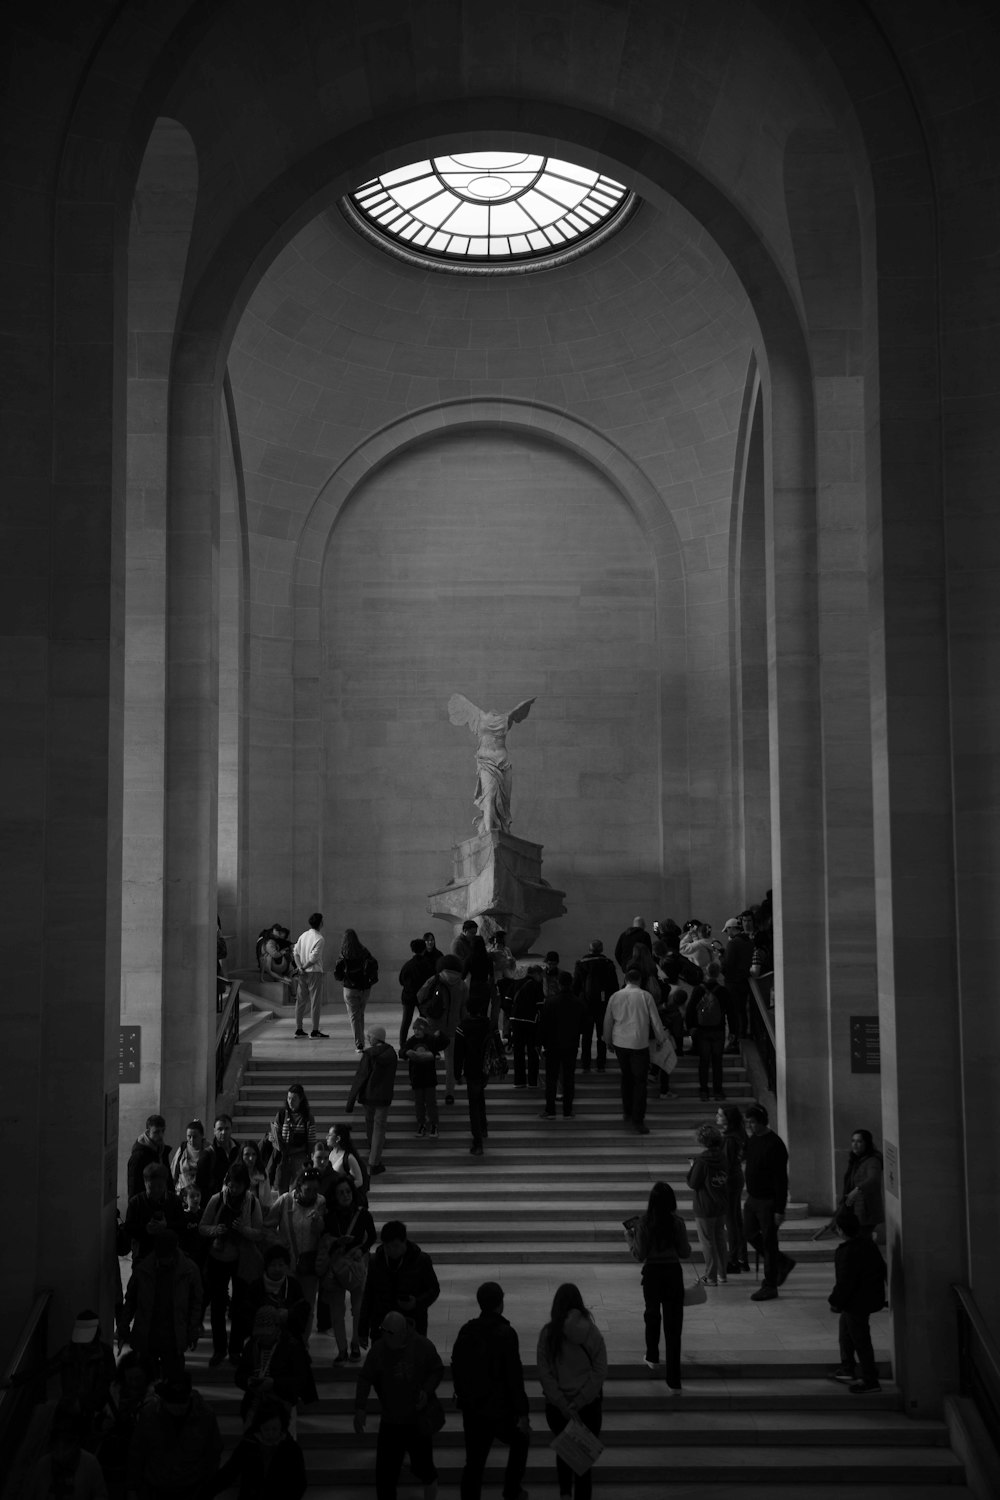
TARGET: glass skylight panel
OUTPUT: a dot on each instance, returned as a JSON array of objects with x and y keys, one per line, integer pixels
[{"x": 491, "y": 206}]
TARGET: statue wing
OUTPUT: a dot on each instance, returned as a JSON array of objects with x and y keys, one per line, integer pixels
[
  {"x": 461, "y": 711},
  {"x": 519, "y": 713}
]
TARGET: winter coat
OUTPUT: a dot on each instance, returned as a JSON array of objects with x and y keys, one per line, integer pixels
[
  {"x": 653, "y": 1251},
  {"x": 487, "y": 1372},
  {"x": 423, "y": 1070},
  {"x": 595, "y": 979},
  {"x": 627, "y": 941},
  {"x": 528, "y": 1000},
  {"x": 277, "y": 1473},
  {"x": 452, "y": 977},
  {"x": 187, "y": 1302},
  {"x": 170, "y": 1454},
  {"x": 144, "y": 1154},
  {"x": 376, "y": 1076},
  {"x": 861, "y": 1276},
  {"x": 576, "y": 1374},
  {"x": 413, "y": 1276},
  {"x": 561, "y": 1022},
  {"x": 708, "y": 1178},
  {"x": 286, "y": 1365},
  {"x": 399, "y": 1377},
  {"x": 242, "y": 1242},
  {"x": 142, "y": 1211},
  {"x": 863, "y": 1188},
  {"x": 470, "y": 1046}
]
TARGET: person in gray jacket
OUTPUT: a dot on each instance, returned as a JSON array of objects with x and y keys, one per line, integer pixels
[
  {"x": 373, "y": 1088},
  {"x": 572, "y": 1366}
]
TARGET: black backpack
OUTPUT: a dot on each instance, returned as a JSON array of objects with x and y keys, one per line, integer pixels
[
  {"x": 437, "y": 1002},
  {"x": 708, "y": 1011}
]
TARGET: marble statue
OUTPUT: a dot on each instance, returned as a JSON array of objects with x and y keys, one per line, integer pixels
[{"x": 490, "y": 728}]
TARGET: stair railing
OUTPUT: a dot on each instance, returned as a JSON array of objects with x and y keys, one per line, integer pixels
[
  {"x": 227, "y": 1033},
  {"x": 978, "y": 1359},
  {"x": 17, "y": 1400},
  {"x": 762, "y": 1029}
]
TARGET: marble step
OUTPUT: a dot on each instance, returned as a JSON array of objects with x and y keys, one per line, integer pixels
[
  {"x": 680, "y": 1429},
  {"x": 876, "y": 1487},
  {"x": 703, "y": 1462}
]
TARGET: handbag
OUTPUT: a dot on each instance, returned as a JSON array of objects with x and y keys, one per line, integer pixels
[
  {"x": 430, "y": 1418},
  {"x": 577, "y": 1446},
  {"x": 663, "y": 1054},
  {"x": 495, "y": 1063},
  {"x": 694, "y": 1292}
]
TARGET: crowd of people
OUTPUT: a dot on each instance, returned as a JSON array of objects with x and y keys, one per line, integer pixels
[{"x": 273, "y": 1239}]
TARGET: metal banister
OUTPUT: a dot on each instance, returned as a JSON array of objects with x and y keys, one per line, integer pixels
[
  {"x": 16, "y": 1401},
  {"x": 978, "y": 1358},
  {"x": 227, "y": 1033}
]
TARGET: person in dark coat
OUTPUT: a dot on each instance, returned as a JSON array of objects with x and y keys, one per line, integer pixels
[
  {"x": 404, "y": 1369},
  {"x": 373, "y": 1087},
  {"x": 736, "y": 961},
  {"x": 489, "y": 1388},
  {"x": 560, "y": 1025},
  {"x": 401, "y": 1278},
  {"x": 417, "y": 969},
  {"x": 635, "y": 934},
  {"x": 858, "y": 1292},
  {"x": 595, "y": 980},
  {"x": 267, "y": 1462},
  {"x": 149, "y": 1150},
  {"x": 529, "y": 998},
  {"x": 470, "y": 1061},
  {"x": 273, "y": 1362},
  {"x": 151, "y": 1211},
  {"x": 223, "y": 1153},
  {"x": 705, "y": 1019}
]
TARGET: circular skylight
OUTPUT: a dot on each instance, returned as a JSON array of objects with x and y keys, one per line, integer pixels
[{"x": 490, "y": 208}]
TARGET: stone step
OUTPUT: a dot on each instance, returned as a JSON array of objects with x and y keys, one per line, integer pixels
[
  {"x": 877, "y": 1487},
  {"x": 252, "y": 1019},
  {"x": 650, "y": 1426},
  {"x": 700, "y": 1462}
]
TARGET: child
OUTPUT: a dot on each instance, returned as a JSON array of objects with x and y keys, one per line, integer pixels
[
  {"x": 859, "y": 1291},
  {"x": 420, "y": 1050}
]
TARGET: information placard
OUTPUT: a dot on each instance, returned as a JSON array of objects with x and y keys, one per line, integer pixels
[
  {"x": 866, "y": 1052},
  {"x": 129, "y": 1053}
]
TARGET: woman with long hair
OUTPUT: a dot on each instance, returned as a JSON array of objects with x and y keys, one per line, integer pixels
[
  {"x": 862, "y": 1191},
  {"x": 342, "y": 1263},
  {"x": 729, "y": 1119},
  {"x": 259, "y": 1185},
  {"x": 293, "y": 1135},
  {"x": 357, "y": 971},
  {"x": 572, "y": 1366},
  {"x": 660, "y": 1244},
  {"x": 344, "y": 1157}
]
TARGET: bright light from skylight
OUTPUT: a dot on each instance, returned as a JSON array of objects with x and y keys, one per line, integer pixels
[{"x": 490, "y": 205}]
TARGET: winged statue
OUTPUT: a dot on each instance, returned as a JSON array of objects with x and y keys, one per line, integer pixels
[{"x": 490, "y": 728}]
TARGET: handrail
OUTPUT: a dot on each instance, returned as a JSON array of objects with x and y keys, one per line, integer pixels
[
  {"x": 13, "y": 1398},
  {"x": 762, "y": 1031},
  {"x": 227, "y": 1034},
  {"x": 978, "y": 1358}
]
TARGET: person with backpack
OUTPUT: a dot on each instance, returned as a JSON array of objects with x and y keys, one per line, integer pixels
[
  {"x": 595, "y": 980},
  {"x": 705, "y": 1019},
  {"x": 659, "y": 1242},
  {"x": 421, "y": 1050},
  {"x": 308, "y": 956},
  {"x": 488, "y": 1379},
  {"x": 342, "y": 1264},
  {"x": 560, "y": 1024},
  {"x": 373, "y": 1087},
  {"x": 292, "y": 1136},
  {"x": 357, "y": 970},
  {"x": 708, "y": 1178},
  {"x": 441, "y": 998}
]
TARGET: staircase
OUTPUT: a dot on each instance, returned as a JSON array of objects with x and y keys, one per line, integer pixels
[{"x": 545, "y": 1204}]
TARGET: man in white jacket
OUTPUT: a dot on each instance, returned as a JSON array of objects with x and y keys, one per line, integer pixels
[{"x": 628, "y": 1021}]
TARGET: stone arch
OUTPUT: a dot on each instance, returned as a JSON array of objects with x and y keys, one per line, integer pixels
[{"x": 563, "y": 431}]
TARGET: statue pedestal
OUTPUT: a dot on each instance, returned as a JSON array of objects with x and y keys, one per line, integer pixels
[{"x": 499, "y": 877}]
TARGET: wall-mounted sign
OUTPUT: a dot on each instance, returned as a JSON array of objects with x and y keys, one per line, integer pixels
[
  {"x": 890, "y": 1167},
  {"x": 129, "y": 1053},
  {"x": 866, "y": 1052}
]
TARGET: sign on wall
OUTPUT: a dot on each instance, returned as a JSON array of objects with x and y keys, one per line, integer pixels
[
  {"x": 890, "y": 1163},
  {"x": 866, "y": 1052},
  {"x": 129, "y": 1053}
]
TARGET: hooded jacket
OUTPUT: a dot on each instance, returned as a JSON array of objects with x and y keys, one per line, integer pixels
[
  {"x": 863, "y": 1188},
  {"x": 449, "y": 970},
  {"x": 576, "y": 1374},
  {"x": 174, "y": 1454},
  {"x": 186, "y": 1301},
  {"x": 143, "y": 1154},
  {"x": 412, "y": 1276},
  {"x": 861, "y": 1276},
  {"x": 561, "y": 1022},
  {"x": 376, "y": 1076},
  {"x": 487, "y": 1372},
  {"x": 708, "y": 1177},
  {"x": 595, "y": 978}
]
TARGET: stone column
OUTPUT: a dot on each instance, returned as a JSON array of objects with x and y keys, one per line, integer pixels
[{"x": 192, "y": 741}]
